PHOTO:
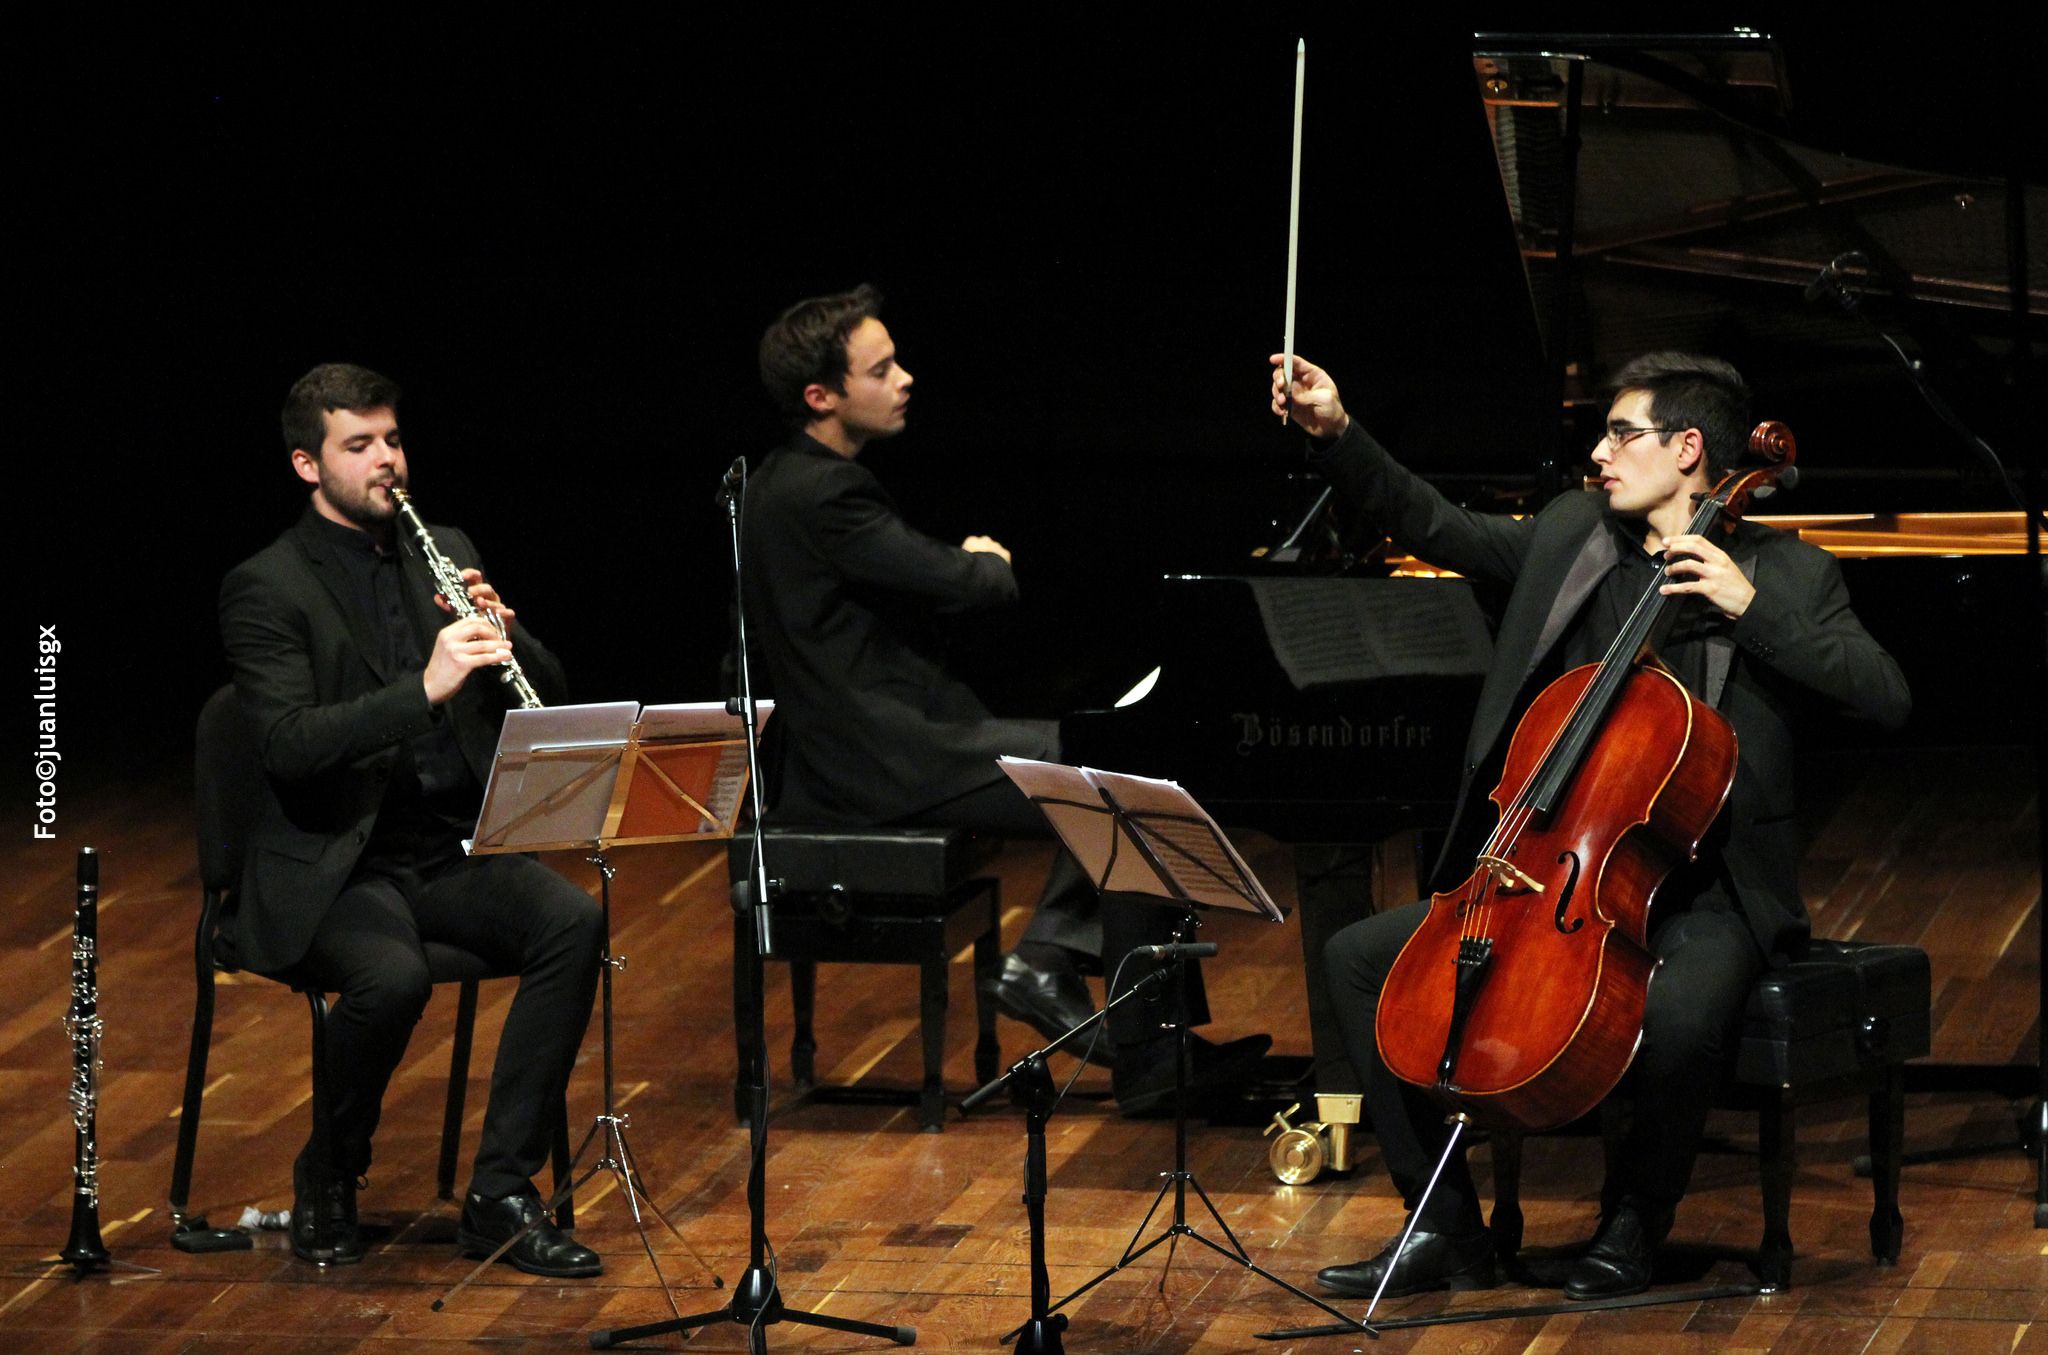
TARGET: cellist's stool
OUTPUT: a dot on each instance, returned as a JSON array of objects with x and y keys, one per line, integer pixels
[
  {"x": 877, "y": 896},
  {"x": 1841, "y": 1022}
]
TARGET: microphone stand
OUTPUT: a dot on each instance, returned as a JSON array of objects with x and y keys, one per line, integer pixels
[
  {"x": 1180, "y": 1178},
  {"x": 756, "y": 1298},
  {"x": 2033, "y": 1120},
  {"x": 1041, "y": 1334},
  {"x": 1829, "y": 286},
  {"x": 1296, "y": 547}
]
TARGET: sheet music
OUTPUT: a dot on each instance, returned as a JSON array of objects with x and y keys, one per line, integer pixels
[
  {"x": 1205, "y": 864},
  {"x": 1325, "y": 631},
  {"x": 565, "y": 726},
  {"x": 1201, "y": 856},
  {"x": 1187, "y": 842},
  {"x": 1074, "y": 808},
  {"x": 555, "y": 772},
  {"x": 695, "y": 749},
  {"x": 729, "y": 782},
  {"x": 682, "y": 719},
  {"x": 556, "y": 780}
]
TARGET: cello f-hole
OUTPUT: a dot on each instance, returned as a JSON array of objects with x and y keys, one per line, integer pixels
[{"x": 1564, "y": 897}]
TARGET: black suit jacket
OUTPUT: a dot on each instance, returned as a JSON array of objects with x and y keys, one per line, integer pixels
[
  {"x": 1797, "y": 649},
  {"x": 328, "y": 718},
  {"x": 845, "y": 606}
]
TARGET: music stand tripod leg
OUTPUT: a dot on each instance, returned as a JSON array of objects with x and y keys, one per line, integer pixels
[
  {"x": 1180, "y": 1178},
  {"x": 613, "y": 1155}
]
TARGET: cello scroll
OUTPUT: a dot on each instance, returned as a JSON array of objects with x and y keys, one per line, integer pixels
[{"x": 1772, "y": 441}]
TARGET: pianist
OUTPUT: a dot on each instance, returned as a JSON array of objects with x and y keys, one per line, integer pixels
[
  {"x": 848, "y": 609},
  {"x": 1765, "y": 634}
]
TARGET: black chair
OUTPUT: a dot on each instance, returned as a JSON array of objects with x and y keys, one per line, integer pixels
[
  {"x": 1840, "y": 1022},
  {"x": 875, "y": 896},
  {"x": 229, "y": 791}
]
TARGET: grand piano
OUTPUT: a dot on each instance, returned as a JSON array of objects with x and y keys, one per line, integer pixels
[{"x": 1663, "y": 193}]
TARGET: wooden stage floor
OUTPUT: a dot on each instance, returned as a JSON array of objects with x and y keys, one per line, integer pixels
[{"x": 871, "y": 1219}]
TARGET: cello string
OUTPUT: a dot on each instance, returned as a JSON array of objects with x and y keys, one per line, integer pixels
[
  {"x": 1592, "y": 702},
  {"x": 1621, "y": 652},
  {"x": 1556, "y": 772}
]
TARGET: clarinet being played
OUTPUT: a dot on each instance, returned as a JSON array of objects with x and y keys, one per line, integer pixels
[
  {"x": 85, "y": 1250},
  {"x": 448, "y": 581}
]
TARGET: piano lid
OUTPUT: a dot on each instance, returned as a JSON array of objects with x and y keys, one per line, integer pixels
[
  {"x": 1688, "y": 175},
  {"x": 1662, "y": 197}
]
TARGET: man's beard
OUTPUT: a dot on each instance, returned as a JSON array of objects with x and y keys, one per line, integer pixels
[{"x": 363, "y": 507}]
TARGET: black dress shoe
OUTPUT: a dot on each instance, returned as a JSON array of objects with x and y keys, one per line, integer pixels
[
  {"x": 1144, "y": 1085},
  {"x": 1618, "y": 1262},
  {"x": 344, "y": 1236},
  {"x": 1052, "y": 1002},
  {"x": 1429, "y": 1261},
  {"x": 544, "y": 1250}
]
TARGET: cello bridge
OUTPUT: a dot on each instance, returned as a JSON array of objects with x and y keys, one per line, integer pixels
[{"x": 1507, "y": 874}]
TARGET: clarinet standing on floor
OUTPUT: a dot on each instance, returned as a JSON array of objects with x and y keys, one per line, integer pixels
[{"x": 85, "y": 1251}]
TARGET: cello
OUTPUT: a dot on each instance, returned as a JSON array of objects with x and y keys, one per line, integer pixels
[{"x": 1519, "y": 1000}]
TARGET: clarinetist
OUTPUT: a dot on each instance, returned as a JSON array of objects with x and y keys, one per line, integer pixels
[{"x": 377, "y": 708}]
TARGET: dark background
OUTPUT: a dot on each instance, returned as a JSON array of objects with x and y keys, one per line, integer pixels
[{"x": 565, "y": 240}]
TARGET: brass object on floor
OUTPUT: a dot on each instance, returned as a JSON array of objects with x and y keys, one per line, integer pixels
[
  {"x": 1298, "y": 1154},
  {"x": 1339, "y": 1112},
  {"x": 1302, "y": 1151}
]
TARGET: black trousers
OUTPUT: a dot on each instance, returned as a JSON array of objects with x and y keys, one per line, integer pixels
[
  {"x": 1066, "y": 914},
  {"x": 1709, "y": 961},
  {"x": 513, "y": 911},
  {"x": 1070, "y": 914}
]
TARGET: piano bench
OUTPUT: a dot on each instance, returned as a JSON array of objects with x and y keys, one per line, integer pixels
[
  {"x": 875, "y": 896},
  {"x": 1840, "y": 1022}
]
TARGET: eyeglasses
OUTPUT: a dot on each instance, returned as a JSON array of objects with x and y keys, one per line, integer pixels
[{"x": 1621, "y": 434}]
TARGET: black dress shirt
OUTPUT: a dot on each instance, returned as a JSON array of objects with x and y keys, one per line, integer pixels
[
  {"x": 1701, "y": 884},
  {"x": 431, "y": 796}
]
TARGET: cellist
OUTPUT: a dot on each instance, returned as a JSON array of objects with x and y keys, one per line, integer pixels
[{"x": 1764, "y": 633}]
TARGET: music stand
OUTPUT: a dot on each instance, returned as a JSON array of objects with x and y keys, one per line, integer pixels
[
  {"x": 590, "y": 778},
  {"x": 1136, "y": 835}
]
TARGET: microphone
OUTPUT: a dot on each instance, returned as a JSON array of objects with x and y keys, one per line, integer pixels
[
  {"x": 1828, "y": 282},
  {"x": 1192, "y": 950},
  {"x": 733, "y": 481}
]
